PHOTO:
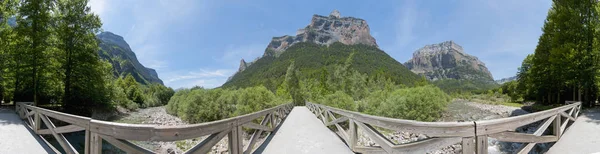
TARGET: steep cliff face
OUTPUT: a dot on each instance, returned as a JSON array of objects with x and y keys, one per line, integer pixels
[
  {"x": 322, "y": 30},
  {"x": 325, "y": 30},
  {"x": 447, "y": 60},
  {"x": 115, "y": 50}
]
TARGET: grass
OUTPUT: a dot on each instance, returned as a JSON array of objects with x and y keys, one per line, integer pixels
[{"x": 512, "y": 104}]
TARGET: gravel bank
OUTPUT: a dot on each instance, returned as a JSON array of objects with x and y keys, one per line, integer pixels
[
  {"x": 459, "y": 110},
  {"x": 159, "y": 116}
]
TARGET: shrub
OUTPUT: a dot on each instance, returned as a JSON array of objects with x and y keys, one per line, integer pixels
[
  {"x": 203, "y": 105},
  {"x": 370, "y": 105},
  {"x": 339, "y": 100},
  {"x": 425, "y": 103}
]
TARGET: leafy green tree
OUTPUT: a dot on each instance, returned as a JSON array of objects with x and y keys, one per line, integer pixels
[
  {"x": 35, "y": 31},
  {"x": 84, "y": 83},
  {"x": 293, "y": 85},
  {"x": 564, "y": 65},
  {"x": 7, "y": 9}
]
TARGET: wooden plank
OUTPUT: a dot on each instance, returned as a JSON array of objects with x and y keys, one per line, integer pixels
[
  {"x": 557, "y": 131},
  {"x": 432, "y": 129},
  {"x": 36, "y": 122},
  {"x": 525, "y": 148},
  {"x": 353, "y": 135},
  {"x": 542, "y": 128},
  {"x": 338, "y": 120},
  {"x": 235, "y": 140},
  {"x": 64, "y": 143},
  {"x": 87, "y": 142},
  {"x": 567, "y": 116},
  {"x": 139, "y": 132},
  {"x": 522, "y": 137},
  {"x": 69, "y": 118},
  {"x": 249, "y": 148},
  {"x": 481, "y": 144},
  {"x": 468, "y": 145},
  {"x": 375, "y": 136},
  {"x": 257, "y": 126},
  {"x": 62, "y": 129},
  {"x": 95, "y": 143},
  {"x": 341, "y": 130},
  {"x": 125, "y": 145},
  {"x": 206, "y": 145}
]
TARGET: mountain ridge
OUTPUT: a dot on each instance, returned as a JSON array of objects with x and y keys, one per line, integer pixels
[
  {"x": 115, "y": 50},
  {"x": 316, "y": 49},
  {"x": 447, "y": 60}
]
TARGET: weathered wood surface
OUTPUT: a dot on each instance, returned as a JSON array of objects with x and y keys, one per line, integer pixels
[
  {"x": 118, "y": 134},
  {"x": 472, "y": 135}
]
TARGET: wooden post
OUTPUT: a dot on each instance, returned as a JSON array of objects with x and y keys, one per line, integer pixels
[
  {"x": 482, "y": 144},
  {"x": 557, "y": 125},
  {"x": 468, "y": 145},
  {"x": 95, "y": 144},
  {"x": 36, "y": 121},
  {"x": 87, "y": 141},
  {"x": 235, "y": 140},
  {"x": 353, "y": 134}
]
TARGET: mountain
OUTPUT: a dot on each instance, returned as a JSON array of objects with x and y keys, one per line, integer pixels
[
  {"x": 326, "y": 42},
  {"x": 115, "y": 50},
  {"x": 504, "y": 80},
  {"x": 447, "y": 60}
]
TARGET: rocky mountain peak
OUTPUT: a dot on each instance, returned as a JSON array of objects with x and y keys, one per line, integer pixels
[
  {"x": 335, "y": 13},
  {"x": 242, "y": 65},
  {"x": 325, "y": 30},
  {"x": 110, "y": 37},
  {"x": 447, "y": 60}
]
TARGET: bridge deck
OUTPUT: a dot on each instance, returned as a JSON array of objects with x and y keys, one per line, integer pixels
[
  {"x": 15, "y": 137},
  {"x": 582, "y": 137},
  {"x": 302, "y": 132}
]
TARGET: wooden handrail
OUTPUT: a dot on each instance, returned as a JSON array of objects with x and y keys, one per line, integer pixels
[
  {"x": 472, "y": 135},
  {"x": 118, "y": 133}
]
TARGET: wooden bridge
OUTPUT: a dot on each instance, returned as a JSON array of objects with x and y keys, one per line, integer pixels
[{"x": 312, "y": 128}]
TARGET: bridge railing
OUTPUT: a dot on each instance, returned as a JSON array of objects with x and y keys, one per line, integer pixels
[
  {"x": 118, "y": 134},
  {"x": 473, "y": 136}
]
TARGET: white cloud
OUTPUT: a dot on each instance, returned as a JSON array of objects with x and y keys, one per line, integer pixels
[
  {"x": 407, "y": 19},
  {"x": 233, "y": 53},
  {"x": 97, "y": 6},
  {"x": 204, "y": 77}
]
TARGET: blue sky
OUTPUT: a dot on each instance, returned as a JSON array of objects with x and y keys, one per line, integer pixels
[{"x": 201, "y": 42}]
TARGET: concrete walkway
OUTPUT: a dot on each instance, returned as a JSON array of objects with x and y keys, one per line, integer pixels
[
  {"x": 583, "y": 137},
  {"x": 15, "y": 137},
  {"x": 303, "y": 133}
]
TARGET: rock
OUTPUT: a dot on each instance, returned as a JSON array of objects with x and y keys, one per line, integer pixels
[
  {"x": 447, "y": 60},
  {"x": 325, "y": 30},
  {"x": 335, "y": 14}
]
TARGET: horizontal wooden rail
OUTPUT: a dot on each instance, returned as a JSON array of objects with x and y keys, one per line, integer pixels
[
  {"x": 472, "y": 135},
  {"x": 118, "y": 134}
]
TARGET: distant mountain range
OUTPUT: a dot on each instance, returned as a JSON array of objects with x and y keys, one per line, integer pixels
[
  {"x": 505, "y": 80},
  {"x": 115, "y": 50},
  {"x": 325, "y": 42},
  {"x": 447, "y": 60}
]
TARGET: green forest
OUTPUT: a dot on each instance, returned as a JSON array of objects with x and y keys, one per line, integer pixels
[
  {"x": 565, "y": 63},
  {"x": 50, "y": 57}
]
